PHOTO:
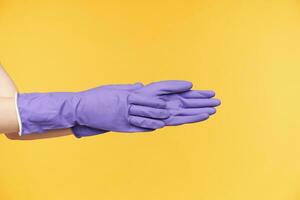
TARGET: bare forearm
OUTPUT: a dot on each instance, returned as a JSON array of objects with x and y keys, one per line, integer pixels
[
  {"x": 7, "y": 86},
  {"x": 8, "y": 117}
]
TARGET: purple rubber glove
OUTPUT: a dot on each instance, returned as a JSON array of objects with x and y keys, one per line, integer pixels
[
  {"x": 188, "y": 106},
  {"x": 104, "y": 107}
]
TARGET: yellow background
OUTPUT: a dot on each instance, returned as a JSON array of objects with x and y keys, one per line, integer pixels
[{"x": 247, "y": 51}]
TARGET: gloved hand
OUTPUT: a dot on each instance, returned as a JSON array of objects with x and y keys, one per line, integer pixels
[
  {"x": 104, "y": 107},
  {"x": 188, "y": 106},
  {"x": 185, "y": 107}
]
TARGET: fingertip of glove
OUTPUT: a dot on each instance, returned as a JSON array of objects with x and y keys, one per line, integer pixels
[
  {"x": 202, "y": 117},
  {"x": 207, "y": 93},
  {"x": 217, "y": 102},
  {"x": 138, "y": 84},
  {"x": 187, "y": 83},
  {"x": 183, "y": 83},
  {"x": 212, "y": 111},
  {"x": 211, "y": 93}
]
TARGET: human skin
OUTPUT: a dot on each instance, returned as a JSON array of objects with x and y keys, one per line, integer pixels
[{"x": 8, "y": 118}]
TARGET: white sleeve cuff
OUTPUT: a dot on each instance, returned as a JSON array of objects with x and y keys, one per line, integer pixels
[{"x": 18, "y": 114}]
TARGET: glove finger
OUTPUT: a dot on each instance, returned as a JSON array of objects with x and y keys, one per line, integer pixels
[
  {"x": 165, "y": 87},
  {"x": 192, "y": 111},
  {"x": 198, "y": 94},
  {"x": 146, "y": 122},
  {"x": 198, "y": 103},
  {"x": 144, "y": 111},
  {"x": 146, "y": 101},
  {"x": 178, "y": 120},
  {"x": 134, "y": 86}
]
